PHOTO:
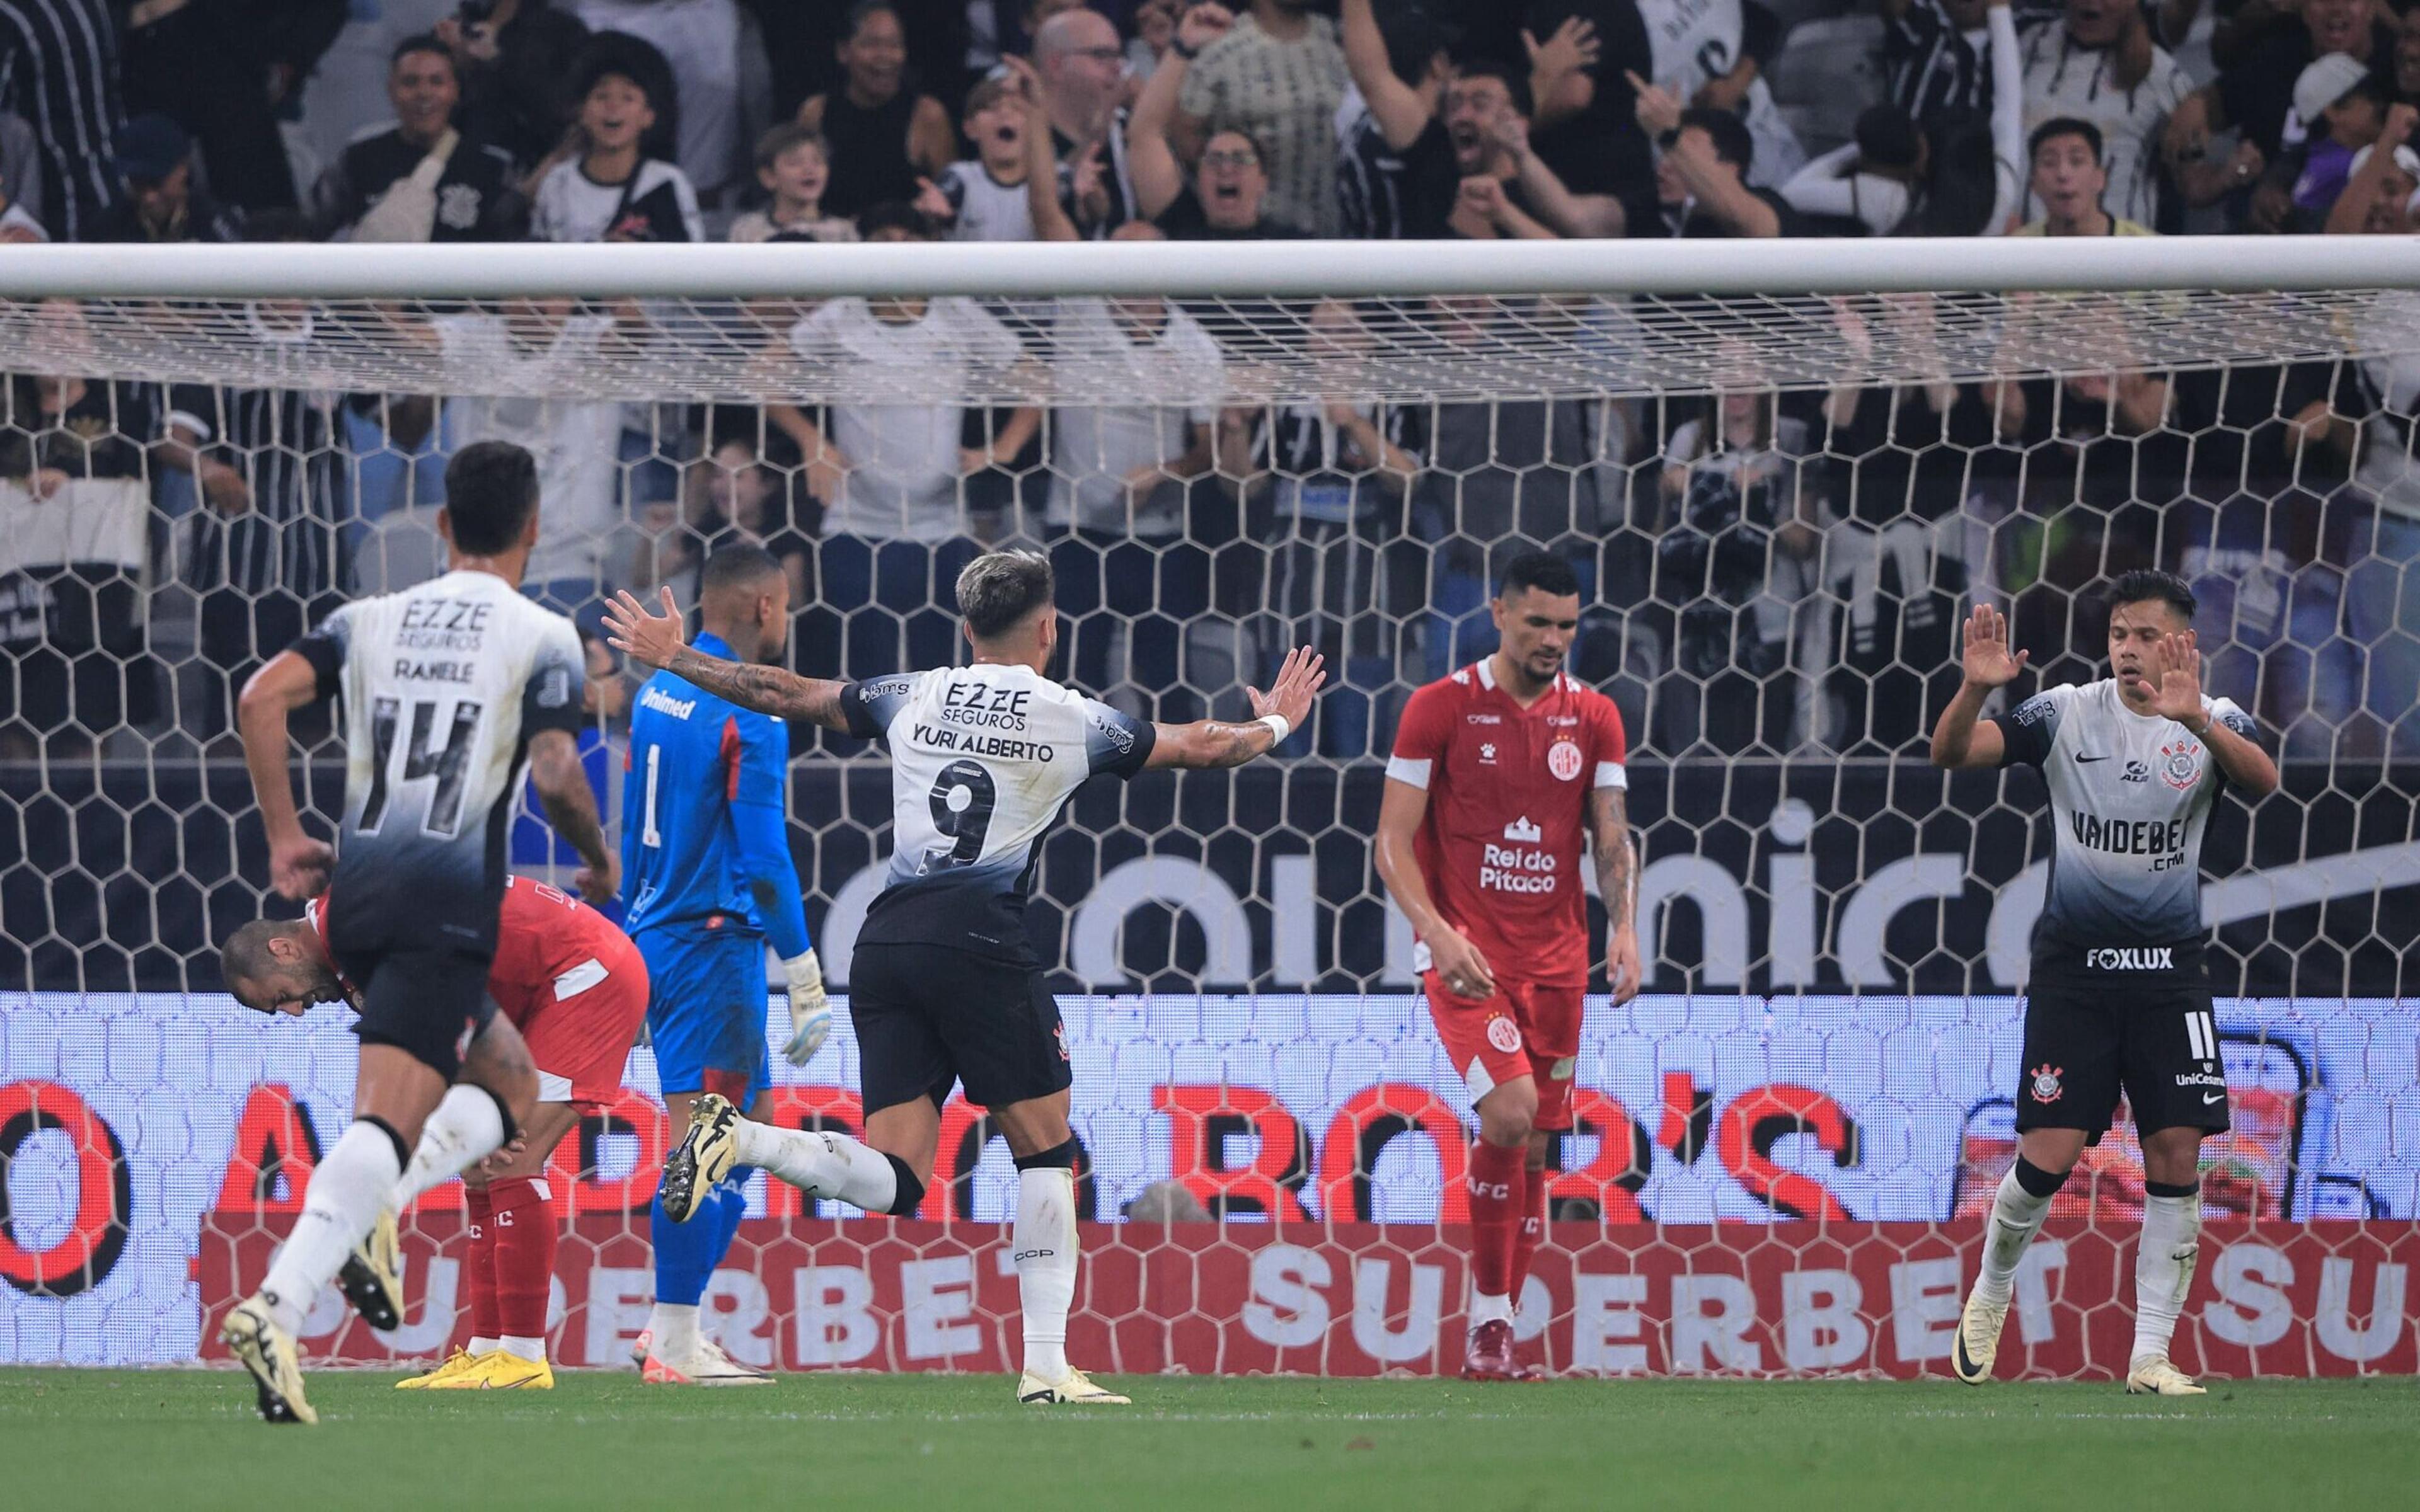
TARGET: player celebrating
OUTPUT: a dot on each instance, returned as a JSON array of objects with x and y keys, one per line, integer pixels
[
  {"x": 706, "y": 846},
  {"x": 945, "y": 986},
  {"x": 576, "y": 989},
  {"x": 2117, "y": 995},
  {"x": 449, "y": 689},
  {"x": 1498, "y": 770}
]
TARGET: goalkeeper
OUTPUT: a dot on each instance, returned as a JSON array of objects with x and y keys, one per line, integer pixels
[{"x": 705, "y": 862}]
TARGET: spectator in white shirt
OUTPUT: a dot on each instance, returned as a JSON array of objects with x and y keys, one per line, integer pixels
[
  {"x": 614, "y": 191},
  {"x": 983, "y": 198},
  {"x": 2096, "y": 63},
  {"x": 793, "y": 166},
  {"x": 891, "y": 471},
  {"x": 1119, "y": 482}
]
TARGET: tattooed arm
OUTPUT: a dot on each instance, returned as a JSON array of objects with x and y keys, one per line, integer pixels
[
  {"x": 1617, "y": 884},
  {"x": 657, "y": 640}
]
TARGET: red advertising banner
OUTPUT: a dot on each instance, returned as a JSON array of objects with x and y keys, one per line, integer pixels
[{"x": 2322, "y": 1297}]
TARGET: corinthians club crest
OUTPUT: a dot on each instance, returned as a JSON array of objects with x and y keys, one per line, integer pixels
[
  {"x": 2046, "y": 1083},
  {"x": 2180, "y": 765}
]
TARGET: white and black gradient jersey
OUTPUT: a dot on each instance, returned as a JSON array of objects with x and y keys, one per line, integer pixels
[
  {"x": 2129, "y": 794},
  {"x": 442, "y": 685},
  {"x": 983, "y": 758}
]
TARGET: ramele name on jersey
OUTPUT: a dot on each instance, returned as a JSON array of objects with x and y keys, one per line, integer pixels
[
  {"x": 2129, "y": 796},
  {"x": 983, "y": 759},
  {"x": 442, "y": 685}
]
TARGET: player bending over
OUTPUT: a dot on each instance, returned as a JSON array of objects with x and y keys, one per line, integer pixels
[
  {"x": 945, "y": 987},
  {"x": 576, "y": 989},
  {"x": 705, "y": 853},
  {"x": 1498, "y": 771},
  {"x": 450, "y": 688},
  {"x": 2117, "y": 995}
]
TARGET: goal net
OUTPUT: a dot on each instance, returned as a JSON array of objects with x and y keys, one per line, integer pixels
[{"x": 1782, "y": 473}]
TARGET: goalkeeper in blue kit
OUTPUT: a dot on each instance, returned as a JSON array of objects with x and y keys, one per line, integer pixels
[{"x": 707, "y": 865}]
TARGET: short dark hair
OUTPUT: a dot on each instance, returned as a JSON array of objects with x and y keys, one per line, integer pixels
[
  {"x": 1541, "y": 570},
  {"x": 1887, "y": 137},
  {"x": 865, "y": 10},
  {"x": 244, "y": 957},
  {"x": 490, "y": 492},
  {"x": 1727, "y": 132},
  {"x": 2058, "y": 126},
  {"x": 1515, "y": 81},
  {"x": 2149, "y": 585},
  {"x": 780, "y": 139},
  {"x": 739, "y": 564},
  {"x": 1415, "y": 34},
  {"x": 422, "y": 42},
  {"x": 893, "y": 215},
  {"x": 999, "y": 589}
]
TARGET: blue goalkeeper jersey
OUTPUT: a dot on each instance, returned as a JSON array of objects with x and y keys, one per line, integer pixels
[{"x": 703, "y": 813}]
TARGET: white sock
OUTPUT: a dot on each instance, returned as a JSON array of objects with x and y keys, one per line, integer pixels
[
  {"x": 1044, "y": 1241},
  {"x": 1487, "y": 1309},
  {"x": 481, "y": 1343},
  {"x": 2017, "y": 1215},
  {"x": 675, "y": 1326},
  {"x": 524, "y": 1348},
  {"x": 2164, "y": 1269},
  {"x": 823, "y": 1164},
  {"x": 345, "y": 1198},
  {"x": 466, "y": 1127}
]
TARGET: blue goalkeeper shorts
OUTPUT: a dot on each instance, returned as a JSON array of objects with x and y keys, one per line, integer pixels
[{"x": 706, "y": 1002}]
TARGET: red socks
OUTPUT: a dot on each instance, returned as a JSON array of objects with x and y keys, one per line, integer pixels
[
  {"x": 479, "y": 1269},
  {"x": 1498, "y": 1188},
  {"x": 1533, "y": 1228},
  {"x": 524, "y": 1255}
]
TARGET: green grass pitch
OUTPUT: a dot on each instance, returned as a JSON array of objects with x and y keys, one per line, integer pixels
[{"x": 143, "y": 1440}]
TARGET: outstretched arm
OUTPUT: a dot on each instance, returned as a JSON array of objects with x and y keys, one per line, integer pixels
[
  {"x": 1278, "y": 713},
  {"x": 657, "y": 640}
]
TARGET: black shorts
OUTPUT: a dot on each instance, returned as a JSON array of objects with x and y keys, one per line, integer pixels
[
  {"x": 2091, "y": 1032},
  {"x": 928, "y": 1016},
  {"x": 428, "y": 1003}
]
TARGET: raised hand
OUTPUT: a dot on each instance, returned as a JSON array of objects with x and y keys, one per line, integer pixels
[
  {"x": 649, "y": 640},
  {"x": 2176, "y": 678},
  {"x": 1984, "y": 649},
  {"x": 1298, "y": 680},
  {"x": 1202, "y": 25},
  {"x": 1658, "y": 109},
  {"x": 1573, "y": 47}
]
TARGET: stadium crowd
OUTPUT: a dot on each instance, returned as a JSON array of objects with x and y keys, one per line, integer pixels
[{"x": 1768, "y": 572}]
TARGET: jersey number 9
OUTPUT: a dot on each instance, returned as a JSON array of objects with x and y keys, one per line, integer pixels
[{"x": 962, "y": 799}]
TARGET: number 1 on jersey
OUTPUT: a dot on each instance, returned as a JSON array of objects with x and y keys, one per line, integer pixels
[{"x": 649, "y": 836}]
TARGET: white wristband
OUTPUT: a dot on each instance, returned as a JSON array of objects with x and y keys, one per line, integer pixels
[{"x": 1278, "y": 728}]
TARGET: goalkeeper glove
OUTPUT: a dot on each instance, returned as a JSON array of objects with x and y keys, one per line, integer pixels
[{"x": 810, "y": 1009}]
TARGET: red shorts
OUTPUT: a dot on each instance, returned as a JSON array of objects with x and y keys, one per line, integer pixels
[
  {"x": 1526, "y": 1029},
  {"x": 582, "y": 1039}
]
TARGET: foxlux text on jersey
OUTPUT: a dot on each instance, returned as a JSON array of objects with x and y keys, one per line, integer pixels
[
  {"x": 2160, "y": 838},
  {"x": 442, "y": 625}
]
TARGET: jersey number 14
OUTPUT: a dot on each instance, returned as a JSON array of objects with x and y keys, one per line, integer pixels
[{"x": 423, "y": 761}]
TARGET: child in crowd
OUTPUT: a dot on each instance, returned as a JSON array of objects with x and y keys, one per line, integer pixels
[{"x": 794, "y": 164}]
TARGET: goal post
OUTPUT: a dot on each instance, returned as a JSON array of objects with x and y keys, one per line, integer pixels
[{"x": 1782, "y": 472}]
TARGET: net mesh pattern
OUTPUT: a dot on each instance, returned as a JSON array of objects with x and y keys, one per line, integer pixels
[{"x": 1778, "y": 508}]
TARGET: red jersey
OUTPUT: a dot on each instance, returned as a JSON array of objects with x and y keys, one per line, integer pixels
[
  {"x": 548, "y": 945},
  {"x": 1507, "y": 788}
]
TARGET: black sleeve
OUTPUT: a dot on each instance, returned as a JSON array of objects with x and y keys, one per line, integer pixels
[
  {"x": 2026, "y": 730},
  {"x": 551, "y": 702},
  {"x": 861, "y": 718},
  {"x": 324, "y": 649}
]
